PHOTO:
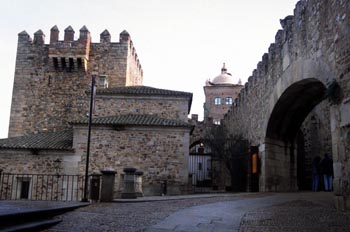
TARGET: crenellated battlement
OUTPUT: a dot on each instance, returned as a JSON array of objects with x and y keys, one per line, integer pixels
[
  {"x": 73, "y": 54},
  {"x": 69, "y": 54}
]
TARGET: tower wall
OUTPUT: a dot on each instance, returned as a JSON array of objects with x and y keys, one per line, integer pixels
[
  {"x": 51, "y": 80},
  {"x": 217, "y": 112}
]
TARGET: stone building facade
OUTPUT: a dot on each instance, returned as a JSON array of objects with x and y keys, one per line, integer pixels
[{"x": 133, "y": 125}]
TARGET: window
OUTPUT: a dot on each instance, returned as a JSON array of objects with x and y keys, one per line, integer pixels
[
  {"x": 102, "y": 82},
  {"x": 55, "y": 62},
  {"x": 228, "y": 101},
  {"x": 217, "y": 101},
  {"x": 63, "y": 63},
  {"x": 79, "y": 63},
  {"x": 216, "y": 121},
  {"x": 71, "y": 64}
]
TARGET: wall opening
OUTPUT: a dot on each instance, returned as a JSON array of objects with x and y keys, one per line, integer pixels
[{"x": 287, "y": 160}]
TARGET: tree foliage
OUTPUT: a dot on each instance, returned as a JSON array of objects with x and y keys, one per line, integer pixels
[{"x": 230, "y": 149}]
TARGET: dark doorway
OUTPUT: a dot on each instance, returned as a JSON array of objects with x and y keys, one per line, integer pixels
[
  {"x": 238, "y": 164},
  {"x": 24, "y": 189},
  {"x": 254, "y": 169}
]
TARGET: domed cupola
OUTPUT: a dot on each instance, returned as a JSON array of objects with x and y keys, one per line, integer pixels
[{"x": 224, "y": 78}]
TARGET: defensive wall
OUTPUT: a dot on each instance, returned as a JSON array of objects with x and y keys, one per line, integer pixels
[{"x": 306, "y": 70}]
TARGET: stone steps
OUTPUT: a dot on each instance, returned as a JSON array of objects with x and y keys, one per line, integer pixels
[
  {"x": 32, "y": 226},
  {"x": 33, "y": 219}
]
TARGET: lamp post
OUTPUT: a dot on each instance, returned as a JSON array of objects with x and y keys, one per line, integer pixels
[{"x": 93, "y": 81}]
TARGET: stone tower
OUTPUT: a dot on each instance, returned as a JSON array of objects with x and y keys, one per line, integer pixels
[
  {"x": 51, "y": 80},
  {"x": 220, "y": 94}
]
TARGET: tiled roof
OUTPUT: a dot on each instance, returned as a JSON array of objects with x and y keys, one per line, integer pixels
[
  {"x": 142, "y": 90},
  {"x": 145, "y": 91},
  {"x": 135, "y": 120},
  {"x": 47, "y": 140}
]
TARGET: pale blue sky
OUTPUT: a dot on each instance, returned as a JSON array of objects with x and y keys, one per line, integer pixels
[{"x": 180, "y": 43}]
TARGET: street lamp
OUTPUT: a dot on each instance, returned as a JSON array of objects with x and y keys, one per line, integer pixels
[{"x": 93, "y": 81}]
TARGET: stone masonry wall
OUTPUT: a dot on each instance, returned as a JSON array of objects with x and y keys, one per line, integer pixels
[
  {"x": 134, "y": 72},
  {"x": 109, "y": 59},
  {"x": 217, "y": 112},
  {"x": 162, "y": 154},
  {"x": 25, "y": 162},
  {"x": 163, "y": 107}
]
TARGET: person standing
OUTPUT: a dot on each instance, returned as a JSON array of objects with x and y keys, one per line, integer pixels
[
  {"x": 327, "y": 171},
  {"x": 315, "y": 173}
]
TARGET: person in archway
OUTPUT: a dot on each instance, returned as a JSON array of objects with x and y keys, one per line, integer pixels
[
  {"x": 315, "y": 173},
  {"x": 327, "y": 171}
]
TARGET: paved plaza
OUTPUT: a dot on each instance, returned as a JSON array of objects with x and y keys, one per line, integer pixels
[{"x": 243, "y": 212}]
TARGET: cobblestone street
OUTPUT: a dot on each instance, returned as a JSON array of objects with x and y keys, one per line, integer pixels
[
  {"x": 127, "y": 216},
  {"x": 236, "y": 212}
]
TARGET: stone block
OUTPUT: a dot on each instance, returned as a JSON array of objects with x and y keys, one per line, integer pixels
[
  {"x": 339, "y": 203},
  {"x": 345, "y": 114},
  {"x": 107, "y": 188}
]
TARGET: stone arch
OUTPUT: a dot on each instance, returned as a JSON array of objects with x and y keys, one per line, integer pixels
[
  {"x": 298, "y": 71},
  {"x": 196, "y": 142},
  {"x": 301, "y": 87},
  {"x": 292, "y": 107}
]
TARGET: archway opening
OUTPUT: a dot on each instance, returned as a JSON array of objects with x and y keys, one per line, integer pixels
[
  {"x": 293, "y": 106},
  {"x": 287, "y": 145}
]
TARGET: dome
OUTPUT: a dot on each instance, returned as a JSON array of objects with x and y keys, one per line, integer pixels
[{"x": 223, "y": 78}]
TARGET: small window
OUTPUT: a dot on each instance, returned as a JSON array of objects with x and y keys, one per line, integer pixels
[
  {"x": 79, "y": 63},
  {"x": 216, "y": 121},
  {"x": 71, "y": 64},
  {"x": 102, "y": 82},
  {"x": 63, "y": 63},
  {"x": 199, "y": 166},
  {"x": 55, "y": 62},
  {"x": 228, "y": 101},
  {"x": 217, "y": 101}
]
